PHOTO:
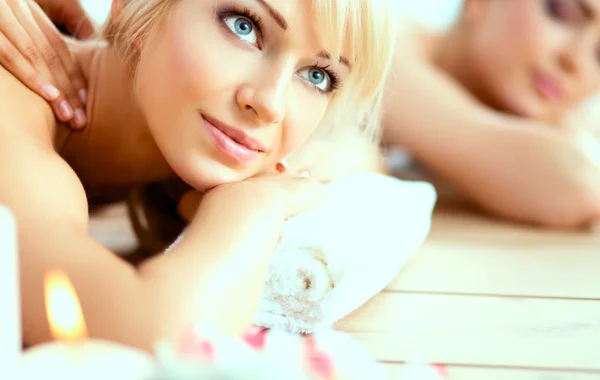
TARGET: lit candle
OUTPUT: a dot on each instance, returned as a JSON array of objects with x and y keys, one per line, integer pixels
[
  {"x": 63, "y": 308},
  {"x": 73, "y": 356},
  {"x": 10, "y": 318}
]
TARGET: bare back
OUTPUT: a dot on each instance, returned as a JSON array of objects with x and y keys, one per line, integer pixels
[{"x": 51, "y": 208}]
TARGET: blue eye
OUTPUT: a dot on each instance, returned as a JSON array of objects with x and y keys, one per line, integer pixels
[
  {"x": 243, "y": 27},
  {"x": 316, "y": 77}
]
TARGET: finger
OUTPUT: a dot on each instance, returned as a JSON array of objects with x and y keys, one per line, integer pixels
[
  {"x": 24, "y": 61},
  {"x": 20, "y": 37},
  {"x": 12, "y": 60},
  {"x": 26, "y": 51},
  {"x": 302, "y": 194},
  {"x": 282, "y": 166},
  {"x": 55, "y": 46},
  {"x": 58, "y": 59}
]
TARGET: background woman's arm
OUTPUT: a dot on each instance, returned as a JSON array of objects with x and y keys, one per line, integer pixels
[{"x": 512, "y": 167}]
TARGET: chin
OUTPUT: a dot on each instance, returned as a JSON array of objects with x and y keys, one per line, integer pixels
[
  {"x": 203, "y": 174},
  {"x": 524, "y": 110},
  {"x": 518, "y": 103}
]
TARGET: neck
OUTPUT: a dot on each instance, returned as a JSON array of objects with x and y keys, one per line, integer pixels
[
  {"x": 452, "y": 55},
  {"x": 112, "y": 110}
]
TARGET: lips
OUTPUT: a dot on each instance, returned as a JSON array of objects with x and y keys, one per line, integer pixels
[
  {"x": 236, "y": 135},
  {"x": 548, "y": 86},
  {"x": 233, "y": 142}
]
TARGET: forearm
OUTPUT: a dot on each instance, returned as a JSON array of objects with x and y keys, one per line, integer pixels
[
  {"x": 214, "y": 276},
  {"x": 516, "y": 169},
  {"x": 216, "y": 273},
  {"x": 108, "y": 288}
]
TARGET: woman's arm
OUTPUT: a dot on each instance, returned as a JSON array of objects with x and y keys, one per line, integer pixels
[
  {"x": 214, "y": 276},
  {"x": 512, "y": 167}
]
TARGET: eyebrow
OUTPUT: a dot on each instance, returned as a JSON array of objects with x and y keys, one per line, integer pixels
[
  {"x": 343, "y": 60},
  {"x": 279, "y": 19}
]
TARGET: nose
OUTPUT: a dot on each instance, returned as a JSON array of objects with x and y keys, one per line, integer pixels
[
  {"x": 263, "y": 98},
  {"x": 571, "y": 57},
  {"x": 574, "y": 56}
]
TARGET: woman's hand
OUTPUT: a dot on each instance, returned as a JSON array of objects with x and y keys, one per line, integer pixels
[
  {"x": 285, "y": 194},
  {"x": 33, "y": 50},
  {"x": 329, "y": 159},
  {"x": 227, "y": 248}
]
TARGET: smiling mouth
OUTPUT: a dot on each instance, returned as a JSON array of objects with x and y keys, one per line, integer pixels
[{"x": 234, "y": 142}]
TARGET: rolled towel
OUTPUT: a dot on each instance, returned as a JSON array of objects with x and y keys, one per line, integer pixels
[{"x": 333, "y": 259}]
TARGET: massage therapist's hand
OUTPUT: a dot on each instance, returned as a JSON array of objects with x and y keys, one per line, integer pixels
[
  {"x": 285, "y": 194},
  {"x": 32, "y": 49}
]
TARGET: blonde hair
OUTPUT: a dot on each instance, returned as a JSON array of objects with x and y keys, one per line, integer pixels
[{"x": 364, "y": 31}]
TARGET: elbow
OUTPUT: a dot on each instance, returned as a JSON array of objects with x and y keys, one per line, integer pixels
[
  {"x": 578, "y": 209},
  {"x": 575, "y": 198},
  {"x": 560, "y": 207}
]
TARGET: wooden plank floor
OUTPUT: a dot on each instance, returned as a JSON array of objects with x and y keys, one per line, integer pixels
[{"x": 491, "y": 300}]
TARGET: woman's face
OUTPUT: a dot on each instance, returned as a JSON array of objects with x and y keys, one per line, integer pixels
[
  {"x": 533, "y": 58},
  {"x": 230, "y": 87}
]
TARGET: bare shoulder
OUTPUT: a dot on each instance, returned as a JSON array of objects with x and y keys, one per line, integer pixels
[
  {"x": 415, "y": 39},
  {"x": 22, "y": 108},
  {"x": 33, "y": 177}
]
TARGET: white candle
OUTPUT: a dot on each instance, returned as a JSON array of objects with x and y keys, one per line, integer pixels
[
  {"x": 73, "y": 356},
  {"x": 90, "y": 360},
  {"x": 10, "y": 317}
]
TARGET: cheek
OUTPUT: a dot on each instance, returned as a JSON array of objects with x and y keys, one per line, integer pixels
[
  {"x": 592, "y": 87},
  {"x": 304, "y": 114},
  {"x": 526, "y": 26},
  {"x": 182, "y": 67},
  {"x": 191, "y": 56},
  {"x": 512, "y": 35}
]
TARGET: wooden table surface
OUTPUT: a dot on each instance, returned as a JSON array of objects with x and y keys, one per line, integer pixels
[{"x": 490, "y": 299}]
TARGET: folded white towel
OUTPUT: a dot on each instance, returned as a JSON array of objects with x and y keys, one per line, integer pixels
[{"x": 333, "y": 259}]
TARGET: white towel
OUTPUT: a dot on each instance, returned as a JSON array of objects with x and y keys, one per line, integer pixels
[{"x": 333, "y": 259}]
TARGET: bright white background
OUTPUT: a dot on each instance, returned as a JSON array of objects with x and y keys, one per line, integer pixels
[
  {"x": 435, "y": 13},
  {"x": 98, "y": 9}
]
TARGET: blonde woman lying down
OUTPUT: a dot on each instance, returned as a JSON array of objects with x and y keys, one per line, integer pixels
[
  {"x": 214, "y": 92},
  {"x": 483, "y": 106}
]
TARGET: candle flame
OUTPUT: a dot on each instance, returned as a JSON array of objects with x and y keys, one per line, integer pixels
[{"x": 65, "y": 316}]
